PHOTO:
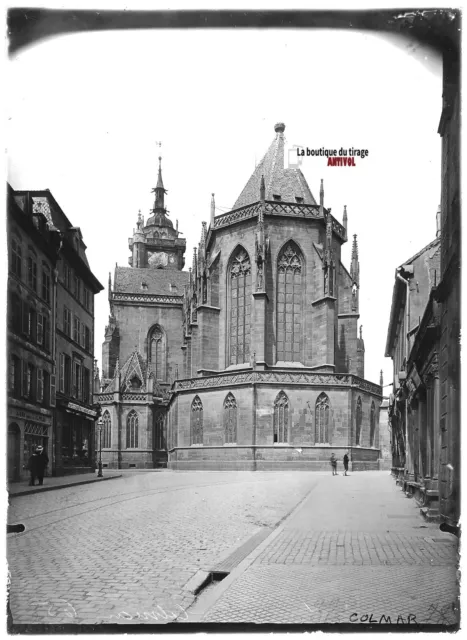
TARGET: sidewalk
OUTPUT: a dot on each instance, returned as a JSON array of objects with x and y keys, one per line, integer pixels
[
  {"x": 356, "y": 551},
  {"x": 50, "y": 483}
]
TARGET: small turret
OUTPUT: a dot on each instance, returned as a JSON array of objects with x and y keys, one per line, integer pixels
[
  {"x": 262, "y": 190},
  {"x": 213, "y": 211},
  {"x": 381, "y": 378},
  {"x": 344, "y": 219},
  {"x": 355, "y": 265}
]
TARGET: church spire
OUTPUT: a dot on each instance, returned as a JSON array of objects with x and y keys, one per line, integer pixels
[
  {"x": 159, "y": 191},
  {"x": 321, "y": 199},
  {"x": 355, "y": 266}
]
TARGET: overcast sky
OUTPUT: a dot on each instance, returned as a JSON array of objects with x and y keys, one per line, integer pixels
[{"x": 86, "y": 111}]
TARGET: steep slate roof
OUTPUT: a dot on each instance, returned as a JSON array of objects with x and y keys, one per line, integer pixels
[
  {"x": 432, "y": 261},
  {"x": 287, "y": 183},
  {"x": 158, "y": 281}
]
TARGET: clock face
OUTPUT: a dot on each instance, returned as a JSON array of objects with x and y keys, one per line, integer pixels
[{"x": 158, "y": 259}]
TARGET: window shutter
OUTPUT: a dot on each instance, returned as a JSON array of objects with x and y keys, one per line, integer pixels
[
  {"x": 61, "y": 374},
  {"x": 24, "y": 368},
  {"x": 52, "y": 391},
  {"x": 25, "y": 318},
  {"x": 40, "y": 385},
  {"x": 40, "y": 328}
]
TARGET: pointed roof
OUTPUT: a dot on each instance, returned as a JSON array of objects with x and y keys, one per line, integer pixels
[
  {"x": 160, "y": 184},
  {"x": 133, "y": 366},
  {"x": 288, "y": 183}
]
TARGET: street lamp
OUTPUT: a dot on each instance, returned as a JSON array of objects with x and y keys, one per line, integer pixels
[{"x": 99, "y": 429}]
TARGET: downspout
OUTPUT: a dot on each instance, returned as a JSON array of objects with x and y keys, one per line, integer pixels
[
  {"x": 407, "y": 315},
  {"x": 255, "y": 403}
]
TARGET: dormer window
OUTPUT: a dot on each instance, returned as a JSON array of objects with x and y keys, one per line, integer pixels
[
  {"x": 276, "y": 197},
  {"x": 299, "y": 199}
]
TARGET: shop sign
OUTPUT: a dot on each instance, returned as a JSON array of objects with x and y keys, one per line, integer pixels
[
  {"x": 76, "y": 407},
  {"x": 33, "y": 417}
]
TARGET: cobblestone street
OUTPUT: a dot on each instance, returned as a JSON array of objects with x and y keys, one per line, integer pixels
[
  {"x": 136, "y": 549},
  {"x": 108, "y": 552}
]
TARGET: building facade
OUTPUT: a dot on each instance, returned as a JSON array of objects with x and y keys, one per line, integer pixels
[
  {"x": 448, "y": 291},
  {"x": 68, "y": 287},
  {"x": 33, "y": 252},
  {"x": 252, "y": 359},
  {"x": 412, "y": 343},
  {"x": 424, "y": 411}
]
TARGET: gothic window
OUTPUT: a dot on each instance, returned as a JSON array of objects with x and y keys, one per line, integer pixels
[
  {"x": 230, "y": 419},
  {"x": 322, "y": 419},
  {"x": 290, "y": 281},
  {"x": 132, "y": 430},
  {"x": 358, "y": 421},
  {"x": 157, "y": 352},
  {"x": 281, "y": 418},
  {"x": 372, "y": 424},
  {"x": 240, "y": 307},
  {"x": 106, "y": 430},
  {"x": 197, "y": 421}
]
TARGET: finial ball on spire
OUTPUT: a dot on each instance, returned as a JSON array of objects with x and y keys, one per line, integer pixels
[{"x": 279, "y": 127}]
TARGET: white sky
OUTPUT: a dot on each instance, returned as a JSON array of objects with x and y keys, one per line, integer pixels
[{"x": 85, "y": 112}]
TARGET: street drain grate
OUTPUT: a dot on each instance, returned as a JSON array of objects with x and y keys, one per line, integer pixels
[
  {"x": 212, "y": 577},
  {"x": 234, "y": 559}
]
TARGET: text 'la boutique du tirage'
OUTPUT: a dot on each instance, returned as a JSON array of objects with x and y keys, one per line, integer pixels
[{"x": 344, "y": 157}]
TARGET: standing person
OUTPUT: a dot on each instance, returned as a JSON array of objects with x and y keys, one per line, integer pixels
[
  {"x": 37, "y": 464},
  {"x": 32, "y": 468},
  {"x": 334, "y": 464},
  {"x": 346, "y": 464}
]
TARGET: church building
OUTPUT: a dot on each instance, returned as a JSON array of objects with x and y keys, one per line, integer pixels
[{"x": 253, "y": 358}]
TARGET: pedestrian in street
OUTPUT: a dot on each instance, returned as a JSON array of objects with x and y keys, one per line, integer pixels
[
  {"x": 346, "y": 464},
  {"x": 37, "y": 464},
  {"x": 334, "y": 464}
]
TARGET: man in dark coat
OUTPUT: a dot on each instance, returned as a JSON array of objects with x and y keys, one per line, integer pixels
[
  {"x": 346, "y": 464},
  {"x": 37, "y": 464}
]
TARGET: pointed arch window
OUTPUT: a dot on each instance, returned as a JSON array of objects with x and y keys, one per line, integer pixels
[
  {"x": 358, "y": 421},
  {"x": 240, "y": 307},
  {"x": 197, "y": 421},
  {"x": 156, "y": 352},
  {"x": 322, "y": 419},
  {"x": 230, "y": 419},
  {"x": 106, "y": 430},
  {"x": 281, "y": 418},
  {"x": 290, "y": 280},
  {"x": 372, "y": 424},
  {"x": 132, "y": 428}
]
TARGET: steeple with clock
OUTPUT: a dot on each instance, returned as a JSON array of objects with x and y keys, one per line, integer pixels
[{"x": 156, "y": 244}]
